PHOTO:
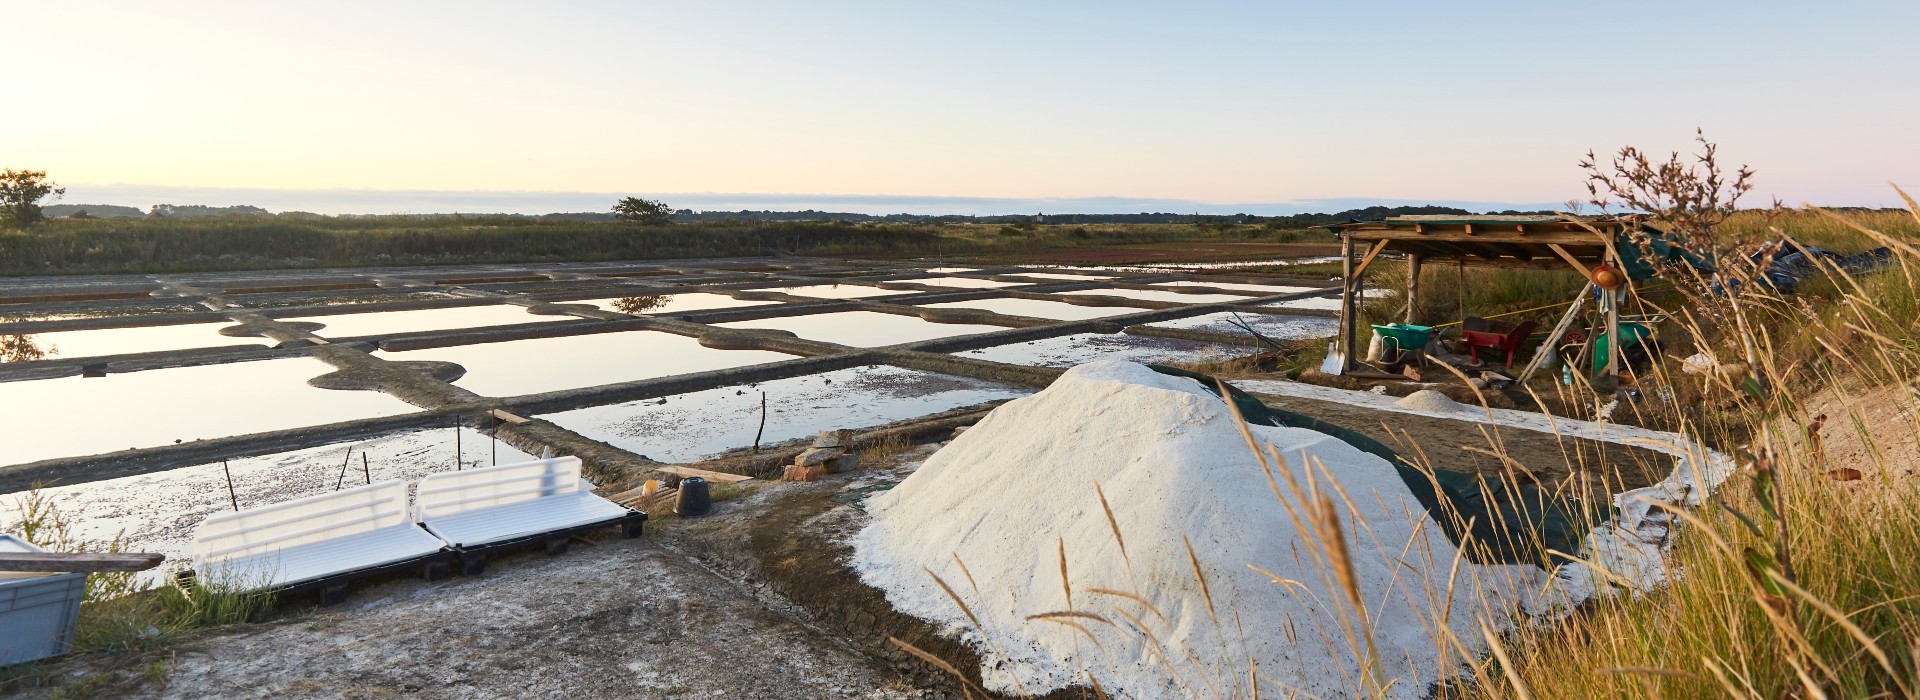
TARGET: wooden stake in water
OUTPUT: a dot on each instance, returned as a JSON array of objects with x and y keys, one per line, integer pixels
[
  {"x": 457, "y": 466},
  {"x": 763, "y": 423},
  {"x": 231, "y": 496},
  {"x": 493, "y": 431},
  {"x": 366, "y": 468},
  {"x": 337, "y": 483}
]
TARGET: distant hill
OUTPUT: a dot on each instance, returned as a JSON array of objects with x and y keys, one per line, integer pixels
[
  {"x": 192, "y": 211},
  {"x": 1291, "y": 221},
  {"x": 98, "y": 211},
  {"x": 1288, "y": 221}
]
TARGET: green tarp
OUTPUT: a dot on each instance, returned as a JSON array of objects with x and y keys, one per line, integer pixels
[
  {"x": 1642, "y": 258},
  {"x": 1494, "y": 521}
]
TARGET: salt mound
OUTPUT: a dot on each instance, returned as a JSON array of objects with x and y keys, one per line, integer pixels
[
  {"x": 1430, "y": 401},
  {"x": 1008, "y": 494}
]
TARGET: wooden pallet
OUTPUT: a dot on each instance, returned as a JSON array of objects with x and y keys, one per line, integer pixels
[{"x": 721, "y": 477}]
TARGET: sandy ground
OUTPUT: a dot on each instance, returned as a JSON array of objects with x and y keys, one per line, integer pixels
[{"x": 619, "y": 619}]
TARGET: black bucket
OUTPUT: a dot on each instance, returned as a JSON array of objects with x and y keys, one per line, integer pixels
[{"x": 694, "y": 498}]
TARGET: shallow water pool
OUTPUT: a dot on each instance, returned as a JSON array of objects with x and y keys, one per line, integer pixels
[
  {"x": 962, "y": 282},
  {"x": 1156, "y": 295},
  {"x": 424, "y": 320},
  {"x": 119, "y": 341},
  {"x": 1063, "y": 276},
  {"x": 78, "y": 416},
  {"x": 515, "y": 367},
  {"x": 1038, "y": 308},
  {"x": 833, "y": 291},
  {"x": 864, "y": 329},
  {"x": 1262, "y": 288},
  {"x": 668, "y": 303}
]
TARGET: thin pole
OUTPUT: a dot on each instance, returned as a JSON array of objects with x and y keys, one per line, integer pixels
[
  {"x": 1612, "y": 297},
  {"x": 337, "y": 483},
  {"x": 493, "y": 431},
  {"x": 1349, "y": 330},
  {"x": 231, "y": 496},
  {"x": 365, "y": 467},
  {"x": 763, "y": 423},
  {"x": 457, "y": 466},
  {"x": 1460, "y": 289}
]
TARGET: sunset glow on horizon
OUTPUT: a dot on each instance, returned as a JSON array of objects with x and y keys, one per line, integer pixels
[{"x": 1214, "y": 102}]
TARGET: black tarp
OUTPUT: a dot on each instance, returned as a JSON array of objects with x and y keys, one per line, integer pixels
[{"x": 1496, "y": 522}]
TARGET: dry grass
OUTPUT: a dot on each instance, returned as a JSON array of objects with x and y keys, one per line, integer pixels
[{"x": 1797, "y": 578}]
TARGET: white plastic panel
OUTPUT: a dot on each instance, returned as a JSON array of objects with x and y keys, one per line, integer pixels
[
  {"x": 480, "y": 506},
  {"x": 312, "y": 537}
]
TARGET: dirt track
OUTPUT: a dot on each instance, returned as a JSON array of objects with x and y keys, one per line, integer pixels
[{"x": 620, "y": 619}]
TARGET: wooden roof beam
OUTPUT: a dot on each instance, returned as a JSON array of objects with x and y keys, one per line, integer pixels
[
  {"x": 1372, "y": 253},
  {"x": 1488, "y": 253},
  {"x": 1575, "y": 262}
]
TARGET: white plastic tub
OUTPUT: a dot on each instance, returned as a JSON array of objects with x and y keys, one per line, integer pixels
[{"x": 37, "y": 610}]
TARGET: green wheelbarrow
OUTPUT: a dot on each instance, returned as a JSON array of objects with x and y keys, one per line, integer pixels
[{"x": 1403, "y": 338}]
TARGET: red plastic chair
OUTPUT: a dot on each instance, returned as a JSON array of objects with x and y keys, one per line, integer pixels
[{"x": 1508, "y": 341}]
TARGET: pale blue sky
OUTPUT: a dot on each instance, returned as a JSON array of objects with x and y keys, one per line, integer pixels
[{"x": 1223, "y": 102}]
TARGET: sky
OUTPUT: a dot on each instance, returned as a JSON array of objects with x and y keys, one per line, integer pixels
[{"x": 884, "y": 106}]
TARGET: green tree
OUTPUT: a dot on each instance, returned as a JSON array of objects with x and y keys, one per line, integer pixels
[
  {"x": 651, "y": 212},
  {"x": 20, "y": 195}
]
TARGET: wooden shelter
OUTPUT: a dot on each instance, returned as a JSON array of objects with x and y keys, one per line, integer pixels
[{"x": 1579, "y": 244}]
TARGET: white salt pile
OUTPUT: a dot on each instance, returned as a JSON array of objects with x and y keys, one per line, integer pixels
[
  {"x": 1430, "y": 401},
  {"x": 1008, "y": 496}
]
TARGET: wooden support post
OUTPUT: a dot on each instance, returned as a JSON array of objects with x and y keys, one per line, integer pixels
[
  {"x": 1612, "y": 298},
  {"x": 510, "y": 418},
  {"x": 85, "y": 561},
  {"x": 1413, "y": 286},
  {"x": 1349, "y": 323}
]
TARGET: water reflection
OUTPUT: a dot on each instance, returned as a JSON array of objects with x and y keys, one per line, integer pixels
[
  {"x": 1262, "y": 288},
  {"x": 21, "y": 348},
  {"x": 834, "y": 291},
  {"x": 1156, "y": 295},
  {"x": 668, "y": 303},
  {"x": 516, "y": 367},
  {"x": 117, "y": 341},
  {"x": 78, "y": 416},
  {"x": 962, "y": 282},
  {"x": 864, "y": 329},
  {"x": 424, "y": 320},
  {"x": 1038, "y": 308}
]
